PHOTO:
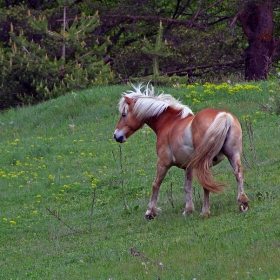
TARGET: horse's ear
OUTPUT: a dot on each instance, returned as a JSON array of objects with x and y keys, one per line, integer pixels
[{"x": 128, "y": 100}]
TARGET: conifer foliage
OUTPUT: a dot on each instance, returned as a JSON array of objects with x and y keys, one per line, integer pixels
[
  {"x": 156, "y": 50},
  {"x": 39, "y": 73}
]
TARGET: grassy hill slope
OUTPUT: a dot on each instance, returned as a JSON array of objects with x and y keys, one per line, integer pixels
[{"x": 73, "y": 200}]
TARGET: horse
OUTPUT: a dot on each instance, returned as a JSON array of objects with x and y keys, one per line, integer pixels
[{"x": 191, "y": 142}]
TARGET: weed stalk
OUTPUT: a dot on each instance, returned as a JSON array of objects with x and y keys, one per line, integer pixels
[
  {"x": 91, "y": 209},
  {"x": 73, "y": 231},
  {"x": 121, "y": 172},
  {"x": 250, "y": 133},
  {"x": 170, "y": 195}
]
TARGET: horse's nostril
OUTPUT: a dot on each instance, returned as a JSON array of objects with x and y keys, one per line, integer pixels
[{"x": 119, "y": 139}]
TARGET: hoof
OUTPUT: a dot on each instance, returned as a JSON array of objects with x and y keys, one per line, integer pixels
[
  {"x": 243, "y": 202},
  {"x": 188, "y": 212},
  {"x": 152, "y": 213},
  {"x": 205, "y": 214},
  {"x": 150, "y": 217},
  {"x": 243, "y": 207}
]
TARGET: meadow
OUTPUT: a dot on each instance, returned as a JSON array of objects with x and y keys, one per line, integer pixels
[{"x": 73, "y": 200}]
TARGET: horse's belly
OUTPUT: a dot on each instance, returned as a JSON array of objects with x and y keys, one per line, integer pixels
[
  {"x": 181, "y": 159},
  {"x": 182, "y": 148},
  {"x": 218, "y": 158}
]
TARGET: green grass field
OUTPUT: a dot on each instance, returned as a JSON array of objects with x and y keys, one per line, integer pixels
[{"x": 73, "y": 200}]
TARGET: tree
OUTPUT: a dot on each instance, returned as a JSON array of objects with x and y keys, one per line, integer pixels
[
  {"x": 199, "y": 41},
  {"x": 258, "y": 25},
  {"x": 198, "y": 30},
  {"x": 196, "y": 40}
]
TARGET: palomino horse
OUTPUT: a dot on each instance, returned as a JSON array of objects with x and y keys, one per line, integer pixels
[{"x": 188, "y": 141}]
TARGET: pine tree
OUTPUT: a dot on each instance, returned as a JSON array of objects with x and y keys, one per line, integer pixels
[
  {"x": 40, "y": 76},
  {"x": 159, "y": 49}
]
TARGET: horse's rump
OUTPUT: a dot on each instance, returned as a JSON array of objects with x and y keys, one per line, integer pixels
[{"x": 211, "y": 144}]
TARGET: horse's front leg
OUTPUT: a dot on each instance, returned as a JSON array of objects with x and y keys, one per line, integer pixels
[
  {"x": 152, "y": 208},
  {"x": 189, "y": 208}
]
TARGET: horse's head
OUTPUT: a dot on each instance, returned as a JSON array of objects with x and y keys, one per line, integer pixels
[{"x": 128, "y": 123}]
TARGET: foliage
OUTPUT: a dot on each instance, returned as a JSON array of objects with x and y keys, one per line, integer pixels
[
  {"x": 63, "y": 179},
  {"x": 39, "y": 76},
  {"x": 197, "y": 41},
  {"x": 159, "y": 49},
  {"x": 209, "y": 42}
]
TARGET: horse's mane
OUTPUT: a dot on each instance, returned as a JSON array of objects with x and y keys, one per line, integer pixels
[{"x": 149, "y": 105}]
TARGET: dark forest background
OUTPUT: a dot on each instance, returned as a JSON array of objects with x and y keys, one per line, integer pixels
[{"x": 48, "y": 48}]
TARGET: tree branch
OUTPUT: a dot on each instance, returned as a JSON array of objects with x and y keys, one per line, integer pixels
[
  {"x": 222, "y": 64},
  {"x": 198, "y": 10},
  {"x": 211, "y": 6},
  {"x": 236, "y": 17},
  {"x": 187, "y": 23}
]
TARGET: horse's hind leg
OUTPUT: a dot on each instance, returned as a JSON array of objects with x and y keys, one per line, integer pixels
[
  {"x": 152, "y": 208},
  {"x": 232, "y": 150},
  {"x": 205, "y": 211},
  {"x": 243, "y": 200}
]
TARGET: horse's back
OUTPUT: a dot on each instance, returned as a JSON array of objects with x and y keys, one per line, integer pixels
[{"x": 205, "y": 118}]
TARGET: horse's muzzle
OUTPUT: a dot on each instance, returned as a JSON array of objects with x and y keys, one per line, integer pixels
[{"x": 119, "y": 139}]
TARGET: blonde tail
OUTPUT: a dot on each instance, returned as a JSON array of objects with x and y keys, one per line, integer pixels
[{"x": 212, "y": 143}]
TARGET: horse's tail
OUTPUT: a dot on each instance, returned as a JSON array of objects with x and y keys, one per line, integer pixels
[{"x": 211, "y": 145}]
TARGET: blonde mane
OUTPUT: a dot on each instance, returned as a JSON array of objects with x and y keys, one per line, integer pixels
[{"x": 150, "y": 105}]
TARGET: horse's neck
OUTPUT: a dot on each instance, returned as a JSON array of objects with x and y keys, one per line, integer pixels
[{"x": 168, "y": 117}]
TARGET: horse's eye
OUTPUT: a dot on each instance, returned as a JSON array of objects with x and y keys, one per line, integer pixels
[{"x": 123, "y": 115}]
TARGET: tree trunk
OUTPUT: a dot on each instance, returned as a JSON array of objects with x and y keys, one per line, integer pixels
[{"x": 257, "y": 23}]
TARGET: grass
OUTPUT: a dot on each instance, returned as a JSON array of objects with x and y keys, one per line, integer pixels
[{"x": 73, "y": 200}]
